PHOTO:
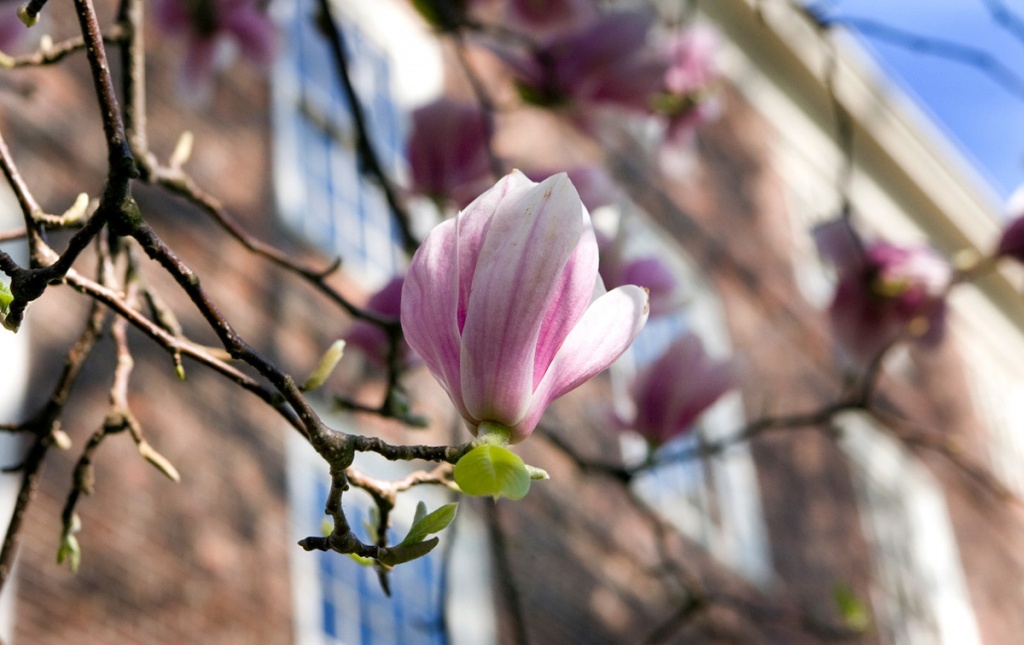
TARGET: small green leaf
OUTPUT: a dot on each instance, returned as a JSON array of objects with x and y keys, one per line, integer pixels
[
  {"x": 403, "y": 553},
  {"x": 537, "y": 473},
  {"x": 70, "y": 551},
  {"x": 6, "y": 297},
  {"x": 430, "y": 524},
  {"x": 855, "y": 614},
  {"x": 421, "y": 512},
  {"x": 492, "y": 470},
  {"x": 182, "y": 150},
  {"x": 326, "y": 365},
  {"x": 371, "y": 530},
  {"x": 27, "y": 19},
  {"x": 371, "y": 524},
  {"x": 366, "y": 562},
  {"x": 161, "y": 463}
]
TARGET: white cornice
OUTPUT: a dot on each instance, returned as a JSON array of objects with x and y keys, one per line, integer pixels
[{"x": 896, "y": 146}]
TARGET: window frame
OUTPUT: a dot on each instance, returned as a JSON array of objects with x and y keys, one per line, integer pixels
[
  {"x": 917, "y": 565},
  {"x": 723, "y": 513}
]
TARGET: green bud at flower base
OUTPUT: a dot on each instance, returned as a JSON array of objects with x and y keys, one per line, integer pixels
[{"x": 490, "y": 468}]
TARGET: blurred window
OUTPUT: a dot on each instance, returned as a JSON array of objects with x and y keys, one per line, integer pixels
[
  {"x": 714, "y": 500},
  {"x": 919, "y": 594},
  {"x": 322, "y": 196}
]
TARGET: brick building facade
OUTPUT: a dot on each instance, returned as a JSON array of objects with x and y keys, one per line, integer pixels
[{"x": 774, "y": 528}]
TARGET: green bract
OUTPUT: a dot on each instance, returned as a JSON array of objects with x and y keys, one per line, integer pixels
[
  {"x": 424, "y": 525},
  {"x": 492, "y": 470},
  {"x": 5, "y": 298},
  {"x": 326, "y": 365}
]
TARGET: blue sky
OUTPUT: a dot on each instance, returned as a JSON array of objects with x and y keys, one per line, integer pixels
[{"x": 983, "y": 118}]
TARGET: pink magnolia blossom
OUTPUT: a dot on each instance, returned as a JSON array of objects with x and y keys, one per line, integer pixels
[
  {"x": 499, "y": 302},
  {"x": 371, "y": 338},
  {"x": 606, "y": 62},
  {"x": 688, "y": 81},
  {"x": 595, "y": 187},
  {"x": 543, "y": 18},
  {"x": 448, "y": 151},
  {"x": 12, "y": 30},
  {"x": 671, "y": 393},
  {"x": 646, "y": 271},
  {"x": 207, "y": 25},
  {"x": 1011, "y": 243},
  {"x": 883, "y": 291}
]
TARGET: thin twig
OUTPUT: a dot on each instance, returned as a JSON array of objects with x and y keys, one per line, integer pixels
[
  {"x": 940, "y": 48},
  {"x": 44, "y": 424},
  {"x": 364, "y": 146},
  {"x": 56, "y": 52}
]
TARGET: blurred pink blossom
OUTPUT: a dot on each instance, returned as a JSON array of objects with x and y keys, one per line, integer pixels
[
  {"x": 371, "y": 338},
  {"x": 448, "y": 151},
  {"x": 646, "y": 271},
  {"x": 12, "y": 30},
  {"x": 499, "y": 303},
  {"x": 882, "y": 291},
  {"x": 671, "y": 393},
  {"x": 1011, "y": 243},
  {"x": 595, "y": 187},
  {"x": 209, "y": 25},
  {"x": 543, "y": 18},
  {"x": 606, "y": 62},
  {"x": 689, "y": 80}
]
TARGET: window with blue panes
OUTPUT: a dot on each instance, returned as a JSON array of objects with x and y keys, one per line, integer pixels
[
  {"x": 351, "y": 606},
  {"x": 321, "y": 192},
  {"x": 443, "y": 598},
  {"x": 322, "y": 196},
  {"x": 713, "y": 500}
]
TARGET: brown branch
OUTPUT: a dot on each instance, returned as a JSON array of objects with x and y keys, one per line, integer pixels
[
  {"x": 174, "y": 344},
  {"x": 29, "y": 206},
  {"x": 56, "y": 52},
  {"x": 913, "y": 434},
  {"x": 118, "y": 154},
  {"x": 11, "y": 236},
  {"x": 44, "y": 425},
  {"x": 369, "y": 159},
  {"x": 387, "y": 491},
  {"x": 130, "y": 20}
]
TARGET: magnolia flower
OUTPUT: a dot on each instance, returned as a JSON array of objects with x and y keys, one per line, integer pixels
[
  {"x": 448, "y": 151},
  {"x": 209, "y": 25},
  {"x": 607, "y": 62},
  {"x": 687, "y": 101},
  {"x": 499, "y": 303},
  {"x": 545, "y": 17},
  {"x": 671, "y": 393},
  {"x": 592, "y": 183},
  {"x": 646, "y": 271},
  {"x": 12, "y": 29},
  {"x": 371, "y": 338},
  {"x": 1011, "y": 243},
  {"x": 883, "y": 291}
]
